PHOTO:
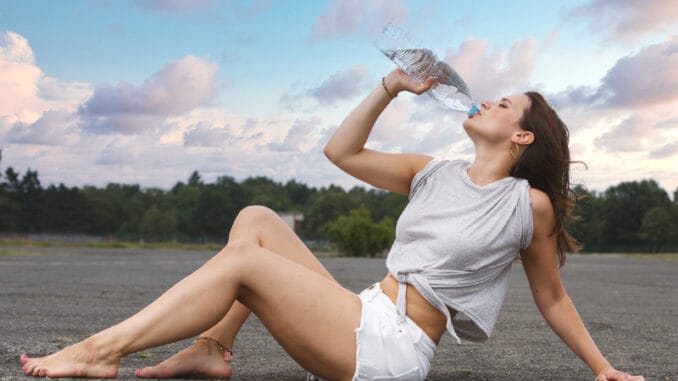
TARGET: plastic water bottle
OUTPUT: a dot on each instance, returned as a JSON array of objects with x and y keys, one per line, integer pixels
[{"x": 420, "y": 63}]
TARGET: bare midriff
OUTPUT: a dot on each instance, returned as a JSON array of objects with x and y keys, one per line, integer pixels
[{"x": 427, "y": 317}]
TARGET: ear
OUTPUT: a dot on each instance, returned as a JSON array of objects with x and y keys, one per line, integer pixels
[{"x": 523, "y": 137}]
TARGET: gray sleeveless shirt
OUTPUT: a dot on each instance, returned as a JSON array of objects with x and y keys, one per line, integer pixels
[{"x": 456, "y": 241}]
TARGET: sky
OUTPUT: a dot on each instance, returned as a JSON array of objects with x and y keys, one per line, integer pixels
[{"x": 145, "y": 92}]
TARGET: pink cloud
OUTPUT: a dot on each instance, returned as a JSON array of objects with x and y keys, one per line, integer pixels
[
  {"x": 626, "y": 19},
  {"x": 625, "y": 136},
  {"x": 648, "y": 77},
  {"x": 34, "y": 108},
  {"x": 665, "y": 151},
  {"x": 355, "y": 17},
  {"x": 19, "y": 77},
  {"x": 298, "y": 137},
  {"x": 492, "y": 74},
  {"x": 54, "y": 127},
  {"x": 205, "y": 134},
  {"x": 340, "y": 86},
  {"x": 179, "y": 87}
]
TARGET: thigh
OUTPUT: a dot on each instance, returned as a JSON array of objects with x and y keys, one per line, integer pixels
[{"x": 313, "y": 318}]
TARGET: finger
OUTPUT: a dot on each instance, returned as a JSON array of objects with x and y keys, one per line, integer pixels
[{"x": 427, "y": 85}]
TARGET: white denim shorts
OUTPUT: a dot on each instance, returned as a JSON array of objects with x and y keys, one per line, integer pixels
[{"x": 387, "y": 350}]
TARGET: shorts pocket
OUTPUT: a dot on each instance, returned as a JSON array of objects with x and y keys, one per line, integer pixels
[{"x": 410, "y": 375}]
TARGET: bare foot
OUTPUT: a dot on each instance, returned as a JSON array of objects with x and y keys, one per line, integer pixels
[
  {"x": 203, "y": 359},
  {"x": 83, "y": 359}
]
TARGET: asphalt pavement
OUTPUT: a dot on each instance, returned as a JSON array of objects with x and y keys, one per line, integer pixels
[{"x": 52, "y": 297}]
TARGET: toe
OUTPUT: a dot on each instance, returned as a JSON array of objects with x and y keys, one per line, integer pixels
[
  {"x": 29, "y": 368},
  {"x": 24, "y": 358},
  {"x": 147, "y": 372}
]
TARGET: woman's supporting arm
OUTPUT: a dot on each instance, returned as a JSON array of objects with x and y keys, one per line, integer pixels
[{"x": 541, "y": 266}]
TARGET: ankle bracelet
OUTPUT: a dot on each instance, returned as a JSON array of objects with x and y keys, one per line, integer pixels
[{"x": 221, "y": 346}]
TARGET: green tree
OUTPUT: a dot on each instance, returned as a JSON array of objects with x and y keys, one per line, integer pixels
[
  {"x": 388, "y": 204},
  {"x": 658, "y": 227},
  {"x": 218, "y": 205},
  {"x": 264, "y": 191},
  {"x": 10, "y": 203},
  {"x": 298, "y": 193},
  {"x": 158, "y": 225},
  {"x": 589, "y": 228},
  {"x": 325, "y": 206},
  {"x": 625, "y": 206},
  {"x": 357, "y": 235},
  {"x": 195, "y": 179},
  {"x": 64, "y": 210},
  {"x": 184, "y": 199}
]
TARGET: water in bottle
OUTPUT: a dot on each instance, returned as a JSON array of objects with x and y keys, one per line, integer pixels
[{"x": 420, "y": 63}]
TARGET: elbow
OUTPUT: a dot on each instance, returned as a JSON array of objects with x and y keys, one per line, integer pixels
[
  {"x": 329, "y": 154},
  {"x": 547, "y": 299}
]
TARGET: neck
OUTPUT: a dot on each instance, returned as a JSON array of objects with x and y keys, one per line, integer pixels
[{"x": 489, "y": 167}]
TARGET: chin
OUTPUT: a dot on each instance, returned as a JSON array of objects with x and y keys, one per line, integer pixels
[{"x": 469, "y": 125}]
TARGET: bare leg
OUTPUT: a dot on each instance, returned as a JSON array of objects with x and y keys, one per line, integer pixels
[
  {"x": 263, "y": 227},
  {"x": 302, "y": 309}
]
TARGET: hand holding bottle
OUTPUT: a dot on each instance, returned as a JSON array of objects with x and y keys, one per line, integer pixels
[
  {"x": 421, "y": 63},
  {"x": 397, "y": 81}
]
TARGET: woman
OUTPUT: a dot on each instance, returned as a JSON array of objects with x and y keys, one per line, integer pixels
[{"x": 464, "y": 226}]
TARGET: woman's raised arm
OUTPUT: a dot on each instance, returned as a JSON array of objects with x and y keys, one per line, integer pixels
[{"x": 390, "y": 171}]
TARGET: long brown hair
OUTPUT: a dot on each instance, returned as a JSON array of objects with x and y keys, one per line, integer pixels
[{"x": 546, "y": 165}]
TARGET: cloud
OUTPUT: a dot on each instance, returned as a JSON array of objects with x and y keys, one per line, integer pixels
[
  {"x": 646, "y": 78},
  {"x": 14, "y": 47},
  {"x": 19, "y": 77},
  {"x": 493, "y": 74},
  {"x": 627, "y": 136},
  {"x": 341, "y": 85},
  {"x": 180, "y": 87},
  {"x": 668, "y": 123},
  {"x": 665, "y": 151},
  {"x": 204, "y": 134},
  {"x": 25, "y": 92},
  {"x": 175, "y": 6},
  {"x": 355, "y": 17},
  {"x": 54, "y": 127},
  {"x": 116, "y": 153},
  {"x": 302, "y": 132},
  {"x": 627, "y": 20}
]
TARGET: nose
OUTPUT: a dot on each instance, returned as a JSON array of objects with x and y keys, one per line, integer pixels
[{"x": 486, "y": 104}]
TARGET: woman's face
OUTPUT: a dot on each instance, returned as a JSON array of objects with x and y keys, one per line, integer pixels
[{"x": 497, "y": 121}]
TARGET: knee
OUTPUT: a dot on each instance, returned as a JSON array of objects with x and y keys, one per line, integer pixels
[{"x": 255, "y": 214}]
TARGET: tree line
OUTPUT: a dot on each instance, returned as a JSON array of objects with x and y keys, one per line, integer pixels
[{"x": 631, "y": 216}]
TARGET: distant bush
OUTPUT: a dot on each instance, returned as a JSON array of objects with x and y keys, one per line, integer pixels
[{"x": 357, "y": 235}]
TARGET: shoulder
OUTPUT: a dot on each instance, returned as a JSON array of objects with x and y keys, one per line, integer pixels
[
  {"x": 428, "y": 167},
  {"x": 542, "y": 211}
]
